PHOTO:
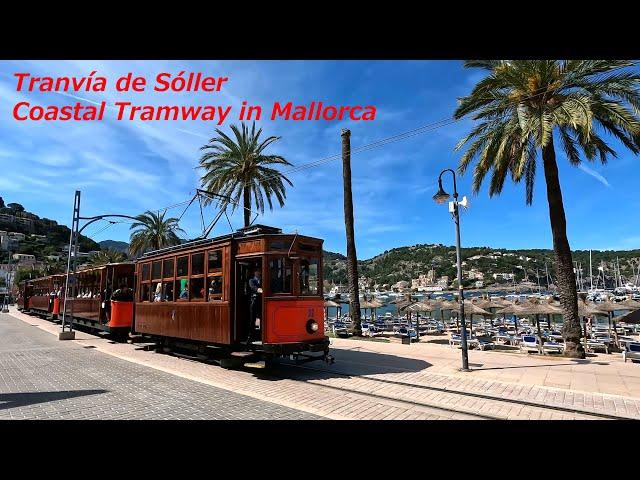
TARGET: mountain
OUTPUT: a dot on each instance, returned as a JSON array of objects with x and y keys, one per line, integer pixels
[
  {"x": 114, "y": 245},
  {"x": 43, "y": 236},
  {"x": 407, "y": 263}
]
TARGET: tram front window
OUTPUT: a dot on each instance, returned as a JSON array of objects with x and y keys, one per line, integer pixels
[
  {"x": 280, "y": 275},
  {"x": 309, "y": 276}
]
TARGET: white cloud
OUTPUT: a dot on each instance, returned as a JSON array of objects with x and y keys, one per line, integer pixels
[{"x": 594, "y": 174}]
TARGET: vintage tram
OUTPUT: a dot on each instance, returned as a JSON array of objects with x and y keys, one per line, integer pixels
[
  {"x": 100, "y": 298},
  {"x": 197, "y": 294},
  {"x": 43, "y": 297}
]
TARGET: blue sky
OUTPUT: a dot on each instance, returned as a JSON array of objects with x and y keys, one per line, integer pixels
[{"x": 129, "y": 167}]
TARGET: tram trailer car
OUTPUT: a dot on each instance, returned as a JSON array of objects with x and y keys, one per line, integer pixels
[
  {"x": 90, "y": 301},
  {"x": 43, "y": 298},
  {"x": 197, "y": 294}
]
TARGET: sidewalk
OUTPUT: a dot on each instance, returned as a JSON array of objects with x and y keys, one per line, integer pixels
[
  {"x": 372, "y": 380},
  {"x": 606, "y": 374}
]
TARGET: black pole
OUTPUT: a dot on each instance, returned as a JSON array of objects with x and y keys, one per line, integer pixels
[{"x": 456, "y": 218}]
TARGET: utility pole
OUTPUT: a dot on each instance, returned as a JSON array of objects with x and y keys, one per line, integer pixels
[
  {"x": 352, "y": 258},
  {"x": 71, "y": 278}
]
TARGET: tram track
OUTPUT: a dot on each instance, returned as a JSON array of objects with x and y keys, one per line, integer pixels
[{"x": 455, "y": 397}]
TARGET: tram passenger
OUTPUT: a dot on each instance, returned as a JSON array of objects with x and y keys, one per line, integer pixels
[
  {"x": 123, "y": 293},
  {"x": 255, "y": 287},
  {"x": 304, "y": 276},
  {"x": 184, "y": 292}
]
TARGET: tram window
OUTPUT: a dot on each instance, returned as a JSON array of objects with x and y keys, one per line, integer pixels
[
  {"x": 279, "y": 245},
  {"x": 167, "y": 268},
  {"x": 197, "y": 264},
  {"x": 280, "y": 275},
  {"x": 145, "y": 272},
  {"x": 197, "y": 289},
  {"x": 182, "y": 267},
  {"x": 215, "y": 287},
  {"x": 182, "y": 289},
  {"x": 309, "y": 276},
  {"x": 144, "y": 292},
  {"x": 167, "y": 291},
  {"x": 156, "y": 270},
  {"x": 156, "y": 291},
  {"x": 215, "y": 261},
  {"x": 307, "y": 248}
]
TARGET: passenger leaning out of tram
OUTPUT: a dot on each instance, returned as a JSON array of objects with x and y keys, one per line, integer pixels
[{"x": 255, "y": 287}]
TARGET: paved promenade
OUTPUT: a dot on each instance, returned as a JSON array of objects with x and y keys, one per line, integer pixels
[
  {"x": 373, "y": 380},
  {"x": 44, "y": 378}
]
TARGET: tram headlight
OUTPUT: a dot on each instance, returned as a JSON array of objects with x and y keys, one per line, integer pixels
[{"x": 312, "y": 326}]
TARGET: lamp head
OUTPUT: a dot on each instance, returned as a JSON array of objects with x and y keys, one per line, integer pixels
[{"x": 441, "y": 196}]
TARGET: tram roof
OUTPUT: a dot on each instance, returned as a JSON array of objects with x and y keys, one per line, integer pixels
[{"x": 251, "y": 231}]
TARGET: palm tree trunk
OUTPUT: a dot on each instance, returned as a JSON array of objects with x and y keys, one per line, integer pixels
[
  {"x": 571, "y": 330},
  {"x": 247, "y": 206},
  {"x": 352, "y": 259}
]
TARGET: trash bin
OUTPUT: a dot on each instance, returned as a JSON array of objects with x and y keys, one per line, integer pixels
[{"x": 406, "y": 340}]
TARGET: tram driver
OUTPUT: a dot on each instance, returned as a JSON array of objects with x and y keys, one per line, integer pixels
[{"x": 255, "y": 288}]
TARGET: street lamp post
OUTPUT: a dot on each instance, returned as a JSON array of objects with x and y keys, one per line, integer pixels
[{"x": 440, "y": 197}]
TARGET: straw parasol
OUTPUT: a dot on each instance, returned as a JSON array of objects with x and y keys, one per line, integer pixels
[
  {"x": 538, "y": 308},
  {"x": 331, "y": 304},
  {"x": 511, "y": 309},
  {"x": 610, "y": 307},
  {"x": 629, "y": 303},
  {"x": 631, "y": 317},
  {"x": 472, "y": 309}
]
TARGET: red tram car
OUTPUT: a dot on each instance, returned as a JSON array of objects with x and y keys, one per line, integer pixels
[
  {"x": 198, "y": 294},
  {"x": 100, "y": 298}
]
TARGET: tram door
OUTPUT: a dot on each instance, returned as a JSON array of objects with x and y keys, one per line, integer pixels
[{"x": 244, "y": 270}]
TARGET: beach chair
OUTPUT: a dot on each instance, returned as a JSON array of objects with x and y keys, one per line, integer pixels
[
  {"x": 481, "y": 344},
  {"x": 553, "y": 347},
  {"x": 631, "y": 352},
  {"x": 530, "y": 342},
  {"x": 455, "y": 340},
  {"x": 593, "y": 346}
]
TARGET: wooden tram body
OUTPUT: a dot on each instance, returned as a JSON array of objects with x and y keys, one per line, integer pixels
[
  {"x": 199, "y": 292},
  {"x": 89, "y": 302},
  {"x": 90, "y": 299},
  {"x": 43, "y": 295}
]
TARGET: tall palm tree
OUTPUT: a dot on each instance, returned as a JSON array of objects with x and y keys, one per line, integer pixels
[
  {"x": 238, "y": 167},
  {"x": 107, "y": 256},
  {"x": 153, "y": 232},
  {"x": 524, "y": 106}
]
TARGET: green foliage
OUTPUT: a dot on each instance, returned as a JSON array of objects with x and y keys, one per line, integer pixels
[
  {"x": 26, "y": 273},
  {"x": 107, "y": 256},
  {"x": 238, "y": 168},
  {"x": 152, "y": 231},
  {"x": 521, "y": 103},
  {"x": 406, "y": 263}
]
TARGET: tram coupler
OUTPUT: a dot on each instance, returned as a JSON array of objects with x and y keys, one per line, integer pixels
[{"x": 296, "y": 357}]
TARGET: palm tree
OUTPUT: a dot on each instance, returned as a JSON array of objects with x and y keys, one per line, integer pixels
[
  {"x": 524, "y": 106},
  {"x": 153, "y": 232},
  {"x": 107, "y": 256},
  {"x": 238, "y": 167}
]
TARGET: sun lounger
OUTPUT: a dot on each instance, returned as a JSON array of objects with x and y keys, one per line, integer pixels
[
  {"x": 480, "y": 343},
  {"x": 530, "y": 342},
  {"x": 553, "y": 347},
  {"x": 632, "y": 352},
  {"x": 455, "y": 341},
  {"x": 592, "y": 346}
]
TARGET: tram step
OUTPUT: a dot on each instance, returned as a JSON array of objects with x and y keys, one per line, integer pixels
[
  {"x": 260, "y": 364},
  {"x": 242, "y": 354}
]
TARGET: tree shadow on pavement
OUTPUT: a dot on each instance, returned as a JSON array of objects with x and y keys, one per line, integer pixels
[{"x": 16, "y": 400}]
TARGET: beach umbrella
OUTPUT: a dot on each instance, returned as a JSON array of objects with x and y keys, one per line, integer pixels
[
  {"x": 538, "y": 308},
  {"x": 331, "y": 304},
  {"x": 631, "y": 317},
  {"x": 629, "y": 304},
  {"x": 610, "y": 307},
  {"x": 472, "y": 309},
  {"x": 511, "y": 309}
]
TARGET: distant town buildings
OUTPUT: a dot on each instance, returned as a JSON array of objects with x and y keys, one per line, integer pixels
[{"x": 503, "y": 276}]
